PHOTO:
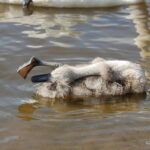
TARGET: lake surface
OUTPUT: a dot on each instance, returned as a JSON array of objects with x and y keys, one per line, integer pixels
[{"x": 72, "y": 36}]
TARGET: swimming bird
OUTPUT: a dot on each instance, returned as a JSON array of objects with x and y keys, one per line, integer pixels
[
  {"x": 72, "y": 3},
  {"x": 100, "y": 77}
]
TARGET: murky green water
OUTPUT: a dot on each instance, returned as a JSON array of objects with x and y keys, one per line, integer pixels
[{"x": 72, "y": 36}]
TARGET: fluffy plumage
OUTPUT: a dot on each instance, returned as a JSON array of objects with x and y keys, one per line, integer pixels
[{"x": 99, "y": 77}]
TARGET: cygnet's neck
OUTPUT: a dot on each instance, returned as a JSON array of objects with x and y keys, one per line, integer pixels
[
  {"x": 100, "y": 68},
  {"x": 72, "y": 73},
  {"x": 87, "y": 70}
]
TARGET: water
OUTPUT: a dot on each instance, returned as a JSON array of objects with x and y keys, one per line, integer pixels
[{"x": 72, "y": 36}]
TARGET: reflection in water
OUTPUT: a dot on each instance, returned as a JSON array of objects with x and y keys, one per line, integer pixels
[
  {"x": 140, "y": 16},
  {"x": 47, "y": 25},
  {"x": 52, "y": 20},
  {"x": 27, "y": 109},
  {"x": 103, "y": 105}
]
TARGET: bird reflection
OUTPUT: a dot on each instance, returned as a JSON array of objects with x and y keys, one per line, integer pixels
[{"x": 101, "y": 105}]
